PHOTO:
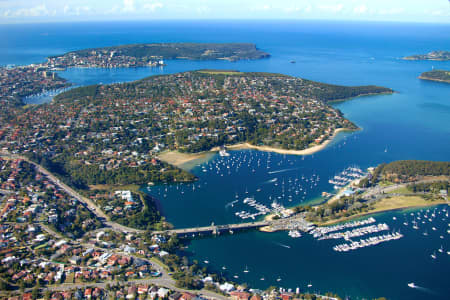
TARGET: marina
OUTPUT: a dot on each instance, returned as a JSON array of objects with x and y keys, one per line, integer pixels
[
  {"x": 372, "y": 241},
  {"x": 346, "y": 176}
]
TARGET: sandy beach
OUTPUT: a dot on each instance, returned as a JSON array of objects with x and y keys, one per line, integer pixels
[
  {"x": 177, "y": 158},
  {"x": 307, "y": 151}
]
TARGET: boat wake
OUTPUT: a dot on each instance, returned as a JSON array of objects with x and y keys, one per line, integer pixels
[
  {"x": 231, "y": 204},
  {"x": 283, "y": 245},
  {"x": 282, "y": 171},
  {"x": 270, "y": 181},
  {"x": 425, "y": 290}
]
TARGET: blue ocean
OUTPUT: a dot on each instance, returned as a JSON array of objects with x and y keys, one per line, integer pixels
[{"x": 413, "y": 123}]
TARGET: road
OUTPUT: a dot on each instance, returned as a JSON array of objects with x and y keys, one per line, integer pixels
[
  {"x": 376, "y": 191},
  {"x": 89, "y": 204}
]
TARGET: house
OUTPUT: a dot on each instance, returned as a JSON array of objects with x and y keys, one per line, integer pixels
[
  {"x": 131, "y": 294},
  {"x": 142, "y": 289},
  {"x": 286, "y": 296},
  {"x": 88, "y": 293},
  {"x": 239, "y": 295},
  {"x": 226, "y": 287},
  {"x": 163, "y": 292},
  {"x": 75, "y": 260},
  {"x": 187, "y": 296}
]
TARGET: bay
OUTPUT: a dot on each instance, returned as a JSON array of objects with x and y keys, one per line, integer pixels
[{"x": 413, "y": 123}]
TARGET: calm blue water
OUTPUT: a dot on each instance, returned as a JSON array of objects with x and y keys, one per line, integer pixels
[{"x": 414, "y": 123}]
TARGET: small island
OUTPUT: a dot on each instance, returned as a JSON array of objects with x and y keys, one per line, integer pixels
[
  {"x": 436, "y": 75},
  {"x": 141, "y": 55},
  {"x": 434, "y": 55}
]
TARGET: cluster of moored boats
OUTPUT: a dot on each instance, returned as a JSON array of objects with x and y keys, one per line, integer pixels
[
  {"x": 357, "y": 232},
  {"x": 321, "y": 231},
  {"x": 260, "y": 208},
  {"x": 428, "y": 216},
  {"x": 347, "y": 176},
  {"x": 371, "y": 241},
  {"x": 294, "y": 233}
]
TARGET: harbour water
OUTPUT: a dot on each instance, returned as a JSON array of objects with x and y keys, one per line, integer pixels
[{"x": 413, "y": 123}]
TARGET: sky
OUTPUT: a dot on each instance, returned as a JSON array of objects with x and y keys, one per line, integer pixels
[{"x": 30, "y": 11}]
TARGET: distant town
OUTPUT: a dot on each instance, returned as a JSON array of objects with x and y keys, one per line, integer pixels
[{"x": 434, "y": 55}]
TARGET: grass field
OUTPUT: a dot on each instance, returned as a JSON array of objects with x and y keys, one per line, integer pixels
[
  {"x": 108, "y": 187},
  {"x": 223, "y": 72},
  {"x": 400, "y": 190}
]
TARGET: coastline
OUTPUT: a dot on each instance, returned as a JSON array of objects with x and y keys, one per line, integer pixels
[
  {"x": 417, "y": 203},
  {"x": 384, "y": 210},
  {"x": 180, "y": 159},
  {"x": 433, "y": 79},
  {"x": 307, "y": 151}
]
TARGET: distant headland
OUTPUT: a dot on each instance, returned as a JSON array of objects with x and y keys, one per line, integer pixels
[
  {"x": 434, "y": 55},
  {"x": 139, "y": 55},
  {"x": 436, "y": 75}
]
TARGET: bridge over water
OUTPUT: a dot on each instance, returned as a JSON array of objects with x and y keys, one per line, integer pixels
[{"x": 214, "y": 229}]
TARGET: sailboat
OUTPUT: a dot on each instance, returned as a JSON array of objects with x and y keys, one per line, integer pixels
[
  {"x": 433, "y": 256},
  {"x": 246, "y": 270}
]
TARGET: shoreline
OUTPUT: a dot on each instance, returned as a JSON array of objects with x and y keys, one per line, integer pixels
[
  {"x": 360, "y": 215},
  {"x": 433, "y": 79},
  {"x": 180, "y": 159},
  {"x": 381, "y": 211},
  {"x": 307, "y": 151}
]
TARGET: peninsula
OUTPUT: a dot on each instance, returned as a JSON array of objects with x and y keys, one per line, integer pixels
[
  {"x": 436, "y": 75},
  {"x": 397, "y": 185},
  {"x": 434, "y": 55},
  {"x": 139, "y": 55},
  {"x": 113, "y": 134}
]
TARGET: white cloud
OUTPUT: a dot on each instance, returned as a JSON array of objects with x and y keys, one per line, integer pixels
[
  {"x": 263, "y": 7},
  {"x": 392, "y": 11},
  {"x": 308, "y": 8},
  {"x": 203, "y": 10},
  {"x": 361, "y": 9},
  {"x": 128, "y": 6},
  {"x": 334, "y": 8},
  {"x": 440, "y": 13},
  {"x": 152, "y": 6},
  {"x": 292, "y": 9},
  {"x": 114, "y": 10},
  {"x": 37, "y": 11},
  {"x": 76, "y": 11}
]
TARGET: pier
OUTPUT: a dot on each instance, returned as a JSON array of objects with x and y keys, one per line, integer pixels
[{"x": 214, "y": 229}]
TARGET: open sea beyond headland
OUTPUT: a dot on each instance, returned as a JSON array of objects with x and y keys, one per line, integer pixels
[{"x": 413, "y": 123}]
